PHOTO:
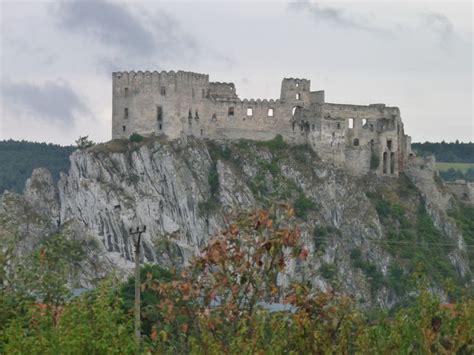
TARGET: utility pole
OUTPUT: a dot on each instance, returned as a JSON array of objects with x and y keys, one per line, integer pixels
[{"x": 137, "y": 235}]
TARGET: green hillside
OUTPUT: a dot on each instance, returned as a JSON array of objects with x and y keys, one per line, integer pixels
[
  {"x": 454, "y": 160},
  {"x": 19, "y": 158}
]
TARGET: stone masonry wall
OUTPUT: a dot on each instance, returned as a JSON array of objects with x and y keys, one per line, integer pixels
[{"x": 176, "y": 104}]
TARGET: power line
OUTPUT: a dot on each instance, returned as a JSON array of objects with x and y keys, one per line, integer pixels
[{"x": 405, "y": 242}]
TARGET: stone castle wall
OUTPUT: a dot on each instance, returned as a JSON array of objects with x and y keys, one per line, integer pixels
[
  {"x": 464, "y": 190},
  {"x": 177, "y": 104}
]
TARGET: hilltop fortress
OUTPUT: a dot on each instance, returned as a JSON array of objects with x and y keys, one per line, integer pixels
[{"x": 176, "y": 104}]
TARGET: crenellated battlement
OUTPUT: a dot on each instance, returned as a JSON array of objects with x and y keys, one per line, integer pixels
[
  {"x": 130, "y": 77},
  {"x": 182, "y": 103}
]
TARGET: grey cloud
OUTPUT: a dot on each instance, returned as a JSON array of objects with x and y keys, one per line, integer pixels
[
  {"x": 441, "y": 25},
  {"x": 114, "y": 25},
  {"x": 336, "y": 16},
  {"x": 52, "y": 101}
]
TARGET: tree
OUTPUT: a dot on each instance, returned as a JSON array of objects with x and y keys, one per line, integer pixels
[{"x": 84, "y": 142}]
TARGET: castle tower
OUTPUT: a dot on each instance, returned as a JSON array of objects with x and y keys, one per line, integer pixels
[{"x": 295, "y": 91}]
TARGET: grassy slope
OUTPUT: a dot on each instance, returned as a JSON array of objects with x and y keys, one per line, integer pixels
[{"x": 441, "y": 166}]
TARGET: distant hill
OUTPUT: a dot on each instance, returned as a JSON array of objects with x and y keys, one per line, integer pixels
[
  {"x": 19, "y": 158},
  {"x": 454, "y": 160},
  {"x": 447, "y": 152}
]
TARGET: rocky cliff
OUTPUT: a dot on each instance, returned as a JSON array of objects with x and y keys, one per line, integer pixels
[{"x": 365, "y": 234}]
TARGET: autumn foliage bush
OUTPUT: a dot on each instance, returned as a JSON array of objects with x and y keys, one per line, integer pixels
[{"x": 238, "y": 296}]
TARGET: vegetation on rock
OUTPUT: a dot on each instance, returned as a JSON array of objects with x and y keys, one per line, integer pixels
[{"x": 229, "y": 300}]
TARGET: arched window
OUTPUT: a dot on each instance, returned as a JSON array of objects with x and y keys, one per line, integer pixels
[
  {"x": 356, "y": 142},
  {"x": 249, "y": 111},
  {"x": 231, "y": 111},
  {"x": 298, "y": 96},
  {"x": 364, "y": 122},
  {"x": 270, "y": 112},
  {"x": 293, "y": 110}
]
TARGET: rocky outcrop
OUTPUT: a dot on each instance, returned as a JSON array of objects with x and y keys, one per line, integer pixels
[
  {"x": 185, "y": 191},
  {"x": 438, "y": 199}
]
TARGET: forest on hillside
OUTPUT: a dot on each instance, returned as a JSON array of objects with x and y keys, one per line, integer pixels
[
  {"x": 455, "y": 152},
  {"x": 460, "y": 154},
  {"x": 19, "y": 158}
]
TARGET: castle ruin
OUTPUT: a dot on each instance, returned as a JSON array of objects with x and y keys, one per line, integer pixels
[{"x": 176, "y": 104}]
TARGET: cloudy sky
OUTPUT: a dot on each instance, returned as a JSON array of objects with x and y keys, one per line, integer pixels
[{"x": 56, "y": 58}]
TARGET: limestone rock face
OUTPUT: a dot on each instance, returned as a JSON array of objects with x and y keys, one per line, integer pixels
[
  {"x": 42, "y": 193},
  {"x": 185, "y": 191}
]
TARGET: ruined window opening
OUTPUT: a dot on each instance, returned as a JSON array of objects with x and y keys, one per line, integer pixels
[
  {"x": 192, "y": 92},
  {"x": 159, "y": 113},
  {"x": 203, "y": 93},
  {"x": 196, "y": 115},
  {"x": 389, "y": 144},
  {"x": 298, "y": 96},
  {"x": 124, "y": 128},
  {"x": 384, "y": 170},
  {"x": 297, "y": 85},
  {"x": 231, "y": 111},
  {"x": 371, "y": 143},
  {"x": 270, "y": 112},
  {"x": 190, "y": 115},
  {"x": 312, "y": 126},
  {"x": 293, "y": 125},
  {"x": 126, "y": 92},
  {"x": 364, "y": 122},
  {"x": 214, "y": 117},
  {"x": 163, "y": 91},
  {"x": 160, "y": 126},
  {"x": 249, "y": 111},
  {"x": 293, "y": 110},
  {"x": 338, "y": 126},
  {"x": 350, "y": 123},
  {"x": 125, "y": 112},
  {"x": 356, "y": 142},
  {"x": 392, "y": 163}
]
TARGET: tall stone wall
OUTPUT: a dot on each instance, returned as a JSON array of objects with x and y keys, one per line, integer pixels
[
  {"x": 175, "y": 104},
  {"x": 137, "y": 97}
]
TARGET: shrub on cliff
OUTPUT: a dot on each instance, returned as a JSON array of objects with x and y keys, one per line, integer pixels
[{"x": 136, "y": 138}]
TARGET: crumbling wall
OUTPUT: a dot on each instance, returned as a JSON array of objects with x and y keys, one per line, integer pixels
[
  {"x": 463, "y": 190},
  {"x": 175, "y": 104}
]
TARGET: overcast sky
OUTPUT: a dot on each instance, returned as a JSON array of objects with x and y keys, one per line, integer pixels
[{"x": 56, "y": 58}]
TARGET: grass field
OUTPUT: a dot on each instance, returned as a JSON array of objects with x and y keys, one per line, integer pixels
[{"x": 456, "y": 166}]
